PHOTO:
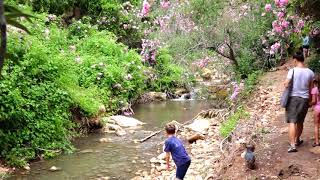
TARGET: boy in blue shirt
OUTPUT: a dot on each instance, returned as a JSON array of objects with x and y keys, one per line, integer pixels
[{"x": 179, "y": 155}]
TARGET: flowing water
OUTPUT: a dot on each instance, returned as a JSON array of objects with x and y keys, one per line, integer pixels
[{"x": 121, "y": 158}]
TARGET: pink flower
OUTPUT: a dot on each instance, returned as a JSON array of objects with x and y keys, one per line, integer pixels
[
  {"x": 283, "y": 3},
  {"x": 277, "y": 2},
  {"x": 285, "y": 24},
  {"x": 301, "y": 23},
  {"x": 275, "y": 46},
  {"x": 165, "y": 4},
  {"x": 153, "y": 56},
  {"x": 145, "y": 8},
  {"x": 268, "y": 7},
  {"x": 280, "y": 14}
]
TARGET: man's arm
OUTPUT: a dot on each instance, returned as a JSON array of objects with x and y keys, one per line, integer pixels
[
  {"x": 286, "y": 83},
  {"x": 168, "y": 160},
  {"x": 288, "y": 79}
]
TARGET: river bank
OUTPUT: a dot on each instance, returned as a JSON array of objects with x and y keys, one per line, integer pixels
[{"x": 94, "y": 159}]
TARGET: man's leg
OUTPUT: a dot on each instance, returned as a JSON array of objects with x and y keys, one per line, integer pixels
[
  {"x": 299, "y": 131},
  {"x": 292, "y": 134}
]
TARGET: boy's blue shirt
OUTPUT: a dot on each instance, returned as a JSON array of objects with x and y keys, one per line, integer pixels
[{"x": 177, "y": 150}]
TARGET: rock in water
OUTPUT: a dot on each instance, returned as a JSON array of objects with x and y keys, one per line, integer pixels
[
  {"x": 54, "y": 168},
  {"x": 124, "y": 121},
  {"x": 200, "y": 125},
  {"x": 121, "y": 132},
  {"x": 104, "y": 140},
  {"x": 157, "y": 96}
]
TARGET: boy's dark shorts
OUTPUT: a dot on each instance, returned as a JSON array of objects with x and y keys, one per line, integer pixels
[
  {"x": 297, "y": 109},
  {"x": 182, "y": 170}
]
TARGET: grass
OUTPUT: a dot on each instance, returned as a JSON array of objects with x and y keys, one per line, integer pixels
[
  {"x": 3, "y": 175},
  {"x": 228, "y": 126}
]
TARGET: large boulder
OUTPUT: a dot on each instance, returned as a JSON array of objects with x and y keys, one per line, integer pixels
[
  {"x": 200, "y": 125},
  {"x": 124, "y": 121},
  {"x": 157, "y": 96}
]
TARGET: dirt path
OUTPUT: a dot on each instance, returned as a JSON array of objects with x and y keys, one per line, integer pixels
[{"x": 273, "y": 161}]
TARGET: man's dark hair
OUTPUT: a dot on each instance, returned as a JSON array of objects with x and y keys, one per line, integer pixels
[
  {"x": 170, "y": 128},
  {"x": 298, "y": 56}
]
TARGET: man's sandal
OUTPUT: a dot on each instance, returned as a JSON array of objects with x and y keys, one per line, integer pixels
[{"x": 315, "y": 144}]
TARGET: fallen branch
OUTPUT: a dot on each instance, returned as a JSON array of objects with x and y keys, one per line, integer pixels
[
  {"x": 150, "y": 136},
  {"x": 157, "y": 132}
]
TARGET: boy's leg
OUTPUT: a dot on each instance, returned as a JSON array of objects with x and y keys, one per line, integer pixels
[{"x": 182, "y": 170}]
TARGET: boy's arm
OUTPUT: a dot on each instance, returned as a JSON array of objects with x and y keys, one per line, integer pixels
[{"x": 168, "y": 160}]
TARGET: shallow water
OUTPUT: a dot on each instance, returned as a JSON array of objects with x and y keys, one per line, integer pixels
[{"x": 121, "y": 158}]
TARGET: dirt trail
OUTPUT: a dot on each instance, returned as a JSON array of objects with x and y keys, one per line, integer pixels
[{"x": 273, "y": 161}]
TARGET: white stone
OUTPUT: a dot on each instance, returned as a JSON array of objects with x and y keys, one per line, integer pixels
[
  {"x": 124, "y": 121},
  {"x": 54, "y": 168},
  {"x": 162, "y": 156},
  {"x": 200, "y": 125}
]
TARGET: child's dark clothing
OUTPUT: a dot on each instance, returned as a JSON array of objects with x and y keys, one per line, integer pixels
[{"x": 179, "y": 156}]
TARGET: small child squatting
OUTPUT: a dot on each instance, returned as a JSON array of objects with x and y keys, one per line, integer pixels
[{"x": 175, "y": 148}]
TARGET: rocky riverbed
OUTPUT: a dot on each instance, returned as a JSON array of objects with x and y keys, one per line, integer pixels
[{"x": 204, "y": 151}]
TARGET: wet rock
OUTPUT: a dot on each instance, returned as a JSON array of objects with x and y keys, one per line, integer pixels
[
  {"x": 105, "y": 140},
  {"x": 157, "y": 96},
  {"x": 85, "y": 151},
  {"x": 124, "y": 121},
  {"x": 199, "y": 125},
  {"x": 27, "y": 167},
  {"x": 54, "y": 168},
  {"x": 121, "y": 132},
  {"x": 180, "y": 91},
  {"x": 112, "y": 127}
]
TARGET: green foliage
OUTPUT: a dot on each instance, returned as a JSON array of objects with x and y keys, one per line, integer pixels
[
  {"x": 49, "y": 78},
  {"x": 52, "y": 72},
  {"x": 168, "y": 75},
  {"x": 231, "y": 123},
  {"x": 109, "y": 15},
  {"x": 314, "y": 63}
]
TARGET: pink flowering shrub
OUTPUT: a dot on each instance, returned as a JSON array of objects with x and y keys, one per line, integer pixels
[
  {"x": 145, "y": 8},
  {"x": 283, "y": 27}
]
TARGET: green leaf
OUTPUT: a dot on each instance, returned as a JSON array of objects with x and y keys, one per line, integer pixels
[{"x": 18, "y": 25}]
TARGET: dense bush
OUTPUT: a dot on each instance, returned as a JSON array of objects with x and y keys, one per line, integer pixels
[
  {"x": 117, "y": 16},
  {"x": 167, "y": 75},
  {"x": 54, "y": 71},
  {"x": 314, "y": 63}
]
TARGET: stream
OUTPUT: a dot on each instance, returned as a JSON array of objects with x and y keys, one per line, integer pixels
[{"x": 121, "y": 158}]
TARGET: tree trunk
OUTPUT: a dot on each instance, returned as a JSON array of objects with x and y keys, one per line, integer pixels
[{"x": 3, "y": 30}]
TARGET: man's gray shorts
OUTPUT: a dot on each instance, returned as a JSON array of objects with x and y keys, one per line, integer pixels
[{"x": 297, "y": 109}]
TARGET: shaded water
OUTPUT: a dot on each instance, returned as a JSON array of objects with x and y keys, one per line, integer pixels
[{"x": 121, "y": 158}]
